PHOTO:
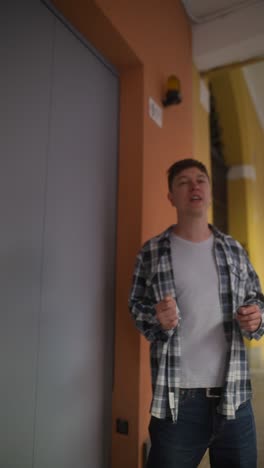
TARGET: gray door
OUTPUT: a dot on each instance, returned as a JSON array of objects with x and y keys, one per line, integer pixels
[{"x": 59, "y": 126}]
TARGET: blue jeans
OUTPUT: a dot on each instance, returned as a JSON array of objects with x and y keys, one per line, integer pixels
[{"x": 231, "y": 443}]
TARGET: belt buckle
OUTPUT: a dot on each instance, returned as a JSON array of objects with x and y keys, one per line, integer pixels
[{"x": 209, "y": 395}]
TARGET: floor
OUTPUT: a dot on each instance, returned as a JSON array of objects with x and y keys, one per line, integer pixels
[{"x": 256, "y": 356}]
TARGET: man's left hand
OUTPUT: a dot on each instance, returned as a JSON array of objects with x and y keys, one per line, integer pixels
[{"x": 249, "y": 317}]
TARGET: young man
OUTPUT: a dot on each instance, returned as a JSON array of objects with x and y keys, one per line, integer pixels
[{"x": 194, "y": 296}]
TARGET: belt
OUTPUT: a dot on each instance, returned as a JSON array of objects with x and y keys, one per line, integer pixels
[
  {"x": 214, "y": 392},
  {"x": 211, "y": 392}
]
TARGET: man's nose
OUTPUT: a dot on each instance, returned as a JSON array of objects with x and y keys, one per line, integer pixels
[{"x": 193, "y": 184}]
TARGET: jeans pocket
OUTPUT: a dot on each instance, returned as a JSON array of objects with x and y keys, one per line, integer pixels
[{"x": 244, "y": 410}]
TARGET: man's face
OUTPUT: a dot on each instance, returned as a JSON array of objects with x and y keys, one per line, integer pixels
[{"x": 190, "y": 193}]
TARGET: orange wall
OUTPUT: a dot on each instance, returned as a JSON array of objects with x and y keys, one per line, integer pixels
[
  {"x": 147, "y": 41},
  {"x": 159, "y": 34}
]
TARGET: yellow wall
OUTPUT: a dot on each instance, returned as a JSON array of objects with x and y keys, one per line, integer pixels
[
  {"x": 243, "y": 143},
  {"x": 227, "y": 94},
  {"x": 255, "y": 189},
  {"x": 243, "y": 140},
  {"x": 201, "y": 135}
]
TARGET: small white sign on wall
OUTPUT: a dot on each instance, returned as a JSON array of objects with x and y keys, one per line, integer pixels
[{"x": 155, "y": 112}]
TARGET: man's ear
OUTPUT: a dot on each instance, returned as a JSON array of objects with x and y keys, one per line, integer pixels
[{"x": 170, "y": 198}]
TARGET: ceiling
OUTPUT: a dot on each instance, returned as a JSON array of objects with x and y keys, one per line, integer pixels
[
  {"x": 229, "y": 32},
  {"x": 206, "y": 10}
]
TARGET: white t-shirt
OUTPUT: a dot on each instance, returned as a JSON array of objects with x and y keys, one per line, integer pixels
[{"x": 203, "y": 342}]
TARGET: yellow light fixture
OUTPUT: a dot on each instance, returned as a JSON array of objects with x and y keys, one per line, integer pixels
[{"x": 173, "y": 94}]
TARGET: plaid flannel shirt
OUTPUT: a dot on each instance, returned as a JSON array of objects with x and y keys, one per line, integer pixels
[{"x": 239, "y": 285}]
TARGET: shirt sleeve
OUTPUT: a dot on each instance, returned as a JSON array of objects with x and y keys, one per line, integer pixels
[
  {"x": 254, "y": 296},
  {"x": 141, "y": 304}
]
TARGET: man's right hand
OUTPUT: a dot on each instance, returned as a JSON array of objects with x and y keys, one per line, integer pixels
[{"x": 166, "y": 313}]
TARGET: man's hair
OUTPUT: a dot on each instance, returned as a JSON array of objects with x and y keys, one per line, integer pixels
[{"x": 179, "y": 166}]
